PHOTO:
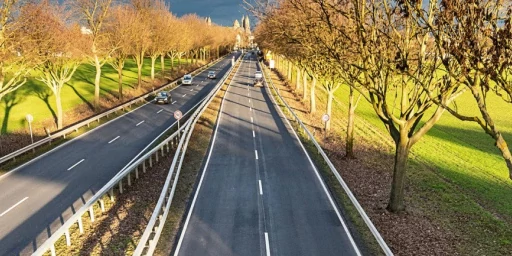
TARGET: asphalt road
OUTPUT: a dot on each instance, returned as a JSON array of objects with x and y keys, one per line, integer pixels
[
  {"x": 38, "y": 197},
  {"x": 259, "y": 193}
]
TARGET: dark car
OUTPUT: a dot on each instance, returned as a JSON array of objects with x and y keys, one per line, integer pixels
[{"x": 163, "y": 97}]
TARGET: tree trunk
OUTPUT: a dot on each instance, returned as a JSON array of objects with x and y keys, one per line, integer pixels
[
  {"x": 349, "y": 143},
  {"x": 289, "y": 75},
  {"x": 304, "y": 86},
  {"x": 502, "y": 146},
  {"x": 120, "y": 80},
  {"x": 58, "y": 102},
  {"x": 330, "y": 95},
  {"x": 162, "y": 64},
  {"x": 153, "y": 61},
  {"x": 312, "y": 101},
  {"x": 396, "y": 201},
  {"x": 297, "y": 78},
  {"x": 97, "y": 65},
  {"x": 179, "y": 60},
  {"x": 139, "y": 61}
]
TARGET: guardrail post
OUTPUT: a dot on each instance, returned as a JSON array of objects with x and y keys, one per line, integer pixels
[
  {"x": 91, "y": 213},
  {"x": 111, "y": 193},
  {"x": 98, "y": 120},
  {"x": 137, "y": 172},
  {"x": 151, "y": 160},
  {"x": 80, "y": 225},
  {"x": 121, "y": 186},
  {"x": 68, "y": 238},
  {"x": 156, "y": 156},
  {"x": 88, "y": 125},
  {"x": 167, "y": 146},
  {"x": 129, "y": 179},
  {"x": 102, "y": 205},
  {"x": 162, "y": 150},
  {"x": 52, "y": 249},
  {"x": 144, "y": 166},
  {"x": 64, "y": 136}
]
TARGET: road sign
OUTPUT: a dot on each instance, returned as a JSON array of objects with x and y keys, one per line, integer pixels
[
  {"x": 271, "y": 64},
  {"x": 326, "y": 117},
  {"x": 178, "y": 115},
  {"x": 30, "y": 118}
]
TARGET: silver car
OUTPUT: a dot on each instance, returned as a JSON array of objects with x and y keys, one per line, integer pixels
[{"x": 187, "y": 80}]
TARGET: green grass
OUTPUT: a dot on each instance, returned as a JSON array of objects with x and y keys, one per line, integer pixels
[
  {"x": 36, "y": 99},
  {"x": 462, "y": 152}
]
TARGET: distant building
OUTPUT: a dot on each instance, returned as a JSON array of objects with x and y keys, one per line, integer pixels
[
  {"x": 85, "y": 31},
  {"x": 244, "y": 37},
  {"x": 208, "y": 20}
]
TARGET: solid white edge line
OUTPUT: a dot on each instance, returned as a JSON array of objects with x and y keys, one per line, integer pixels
[
  {"x": 182, "y": 236},
  {"x": 261, "y": 188},
  {"x": 317, "y": 174},
  {"x": 256, "y": 153},
  {"x": 79, "y": 162},
  {"x": 141, "y": 122},
  {"x": 267, "y": 244},
  {"x": 114, "y": 139},
  {"x": 12, "y": 207},
  {"x": 159, "y": 111}
]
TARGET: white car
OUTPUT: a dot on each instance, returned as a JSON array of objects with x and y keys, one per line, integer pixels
[
  {"x": 187, "y": 80},
  {"x": 211, "y": 75}
]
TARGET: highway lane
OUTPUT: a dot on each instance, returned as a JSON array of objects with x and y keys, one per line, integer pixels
[
  {"x": 259, "y": 193},
  {"x": 36, "y": 198}
]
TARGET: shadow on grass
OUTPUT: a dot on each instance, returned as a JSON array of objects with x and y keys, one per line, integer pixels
[{"x": 9, "y": 101}]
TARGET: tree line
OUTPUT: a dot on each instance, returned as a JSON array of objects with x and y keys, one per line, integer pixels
[
  {"x": 54, "y": 39},
  {"x": 409, "y": 59}
]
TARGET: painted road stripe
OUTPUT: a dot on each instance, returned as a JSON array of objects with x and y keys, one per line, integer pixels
[
  {"x": 114, "y": 139},
  {"x": 261, "y": 188},
  {"x": 183, "y": 95},
  {"x": 253, "y": 134},
  {"x": 252, "y": 120},
  {"x": 267, "y": 245},
  {"x": 159, "y": 111},
  {"x": 79, "y": 162},
  {"x": 12, "y": 207},
  {"x": 249, "y": 100},
  {"x": 140, "y": 123},
  {"x": 256, "y": 153},
  {"x": 191, "y": 90},
  {"x": 173, "y": 102}
]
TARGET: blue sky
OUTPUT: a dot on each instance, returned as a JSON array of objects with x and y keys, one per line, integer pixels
[{"x": 222, "y": 12}]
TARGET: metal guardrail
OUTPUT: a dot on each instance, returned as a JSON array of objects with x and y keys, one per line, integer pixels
[
  {"x": 96, "y": 118},
  {"x": 347, "y": 190},
  {"x": 151, "y": 235},
  {"x": 140, "y": 162}
]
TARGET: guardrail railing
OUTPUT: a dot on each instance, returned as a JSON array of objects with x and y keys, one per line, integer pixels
[
  {"x": 96, "y": 118},
  {"x": 138, "y": 163},
  {"x": 151, "y": 235},
  {"x": 331, "y": 166}
]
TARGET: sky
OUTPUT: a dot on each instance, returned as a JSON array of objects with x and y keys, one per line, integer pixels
[{"x": 222, "y": 12}]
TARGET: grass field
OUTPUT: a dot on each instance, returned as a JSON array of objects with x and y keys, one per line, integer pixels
[
  {"x": 457, "y": 192},
  {"x": 36, "y": 99}
]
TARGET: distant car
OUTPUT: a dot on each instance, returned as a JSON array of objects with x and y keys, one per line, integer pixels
[
  {"x": 187, "y": 80},
  {"x": 163, "y": 97},
  {"x": 258, "y": 75},
  {"x": 211, "y": 75}
]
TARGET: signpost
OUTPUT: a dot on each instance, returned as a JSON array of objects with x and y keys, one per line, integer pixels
[
  {"x": 271, "y": 64},
  {"x": 30, "y": 118},
  {"x": 325, "y": 118},
  {"x": 178, "y": 115}
]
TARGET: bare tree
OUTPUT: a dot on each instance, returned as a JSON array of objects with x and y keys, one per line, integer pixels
[
  {"x": 474, "y": 38},
  {"x": 94, "y": 13},
  {"x": 13, "y": 56},
  {"x": 60, "y": 46}
]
